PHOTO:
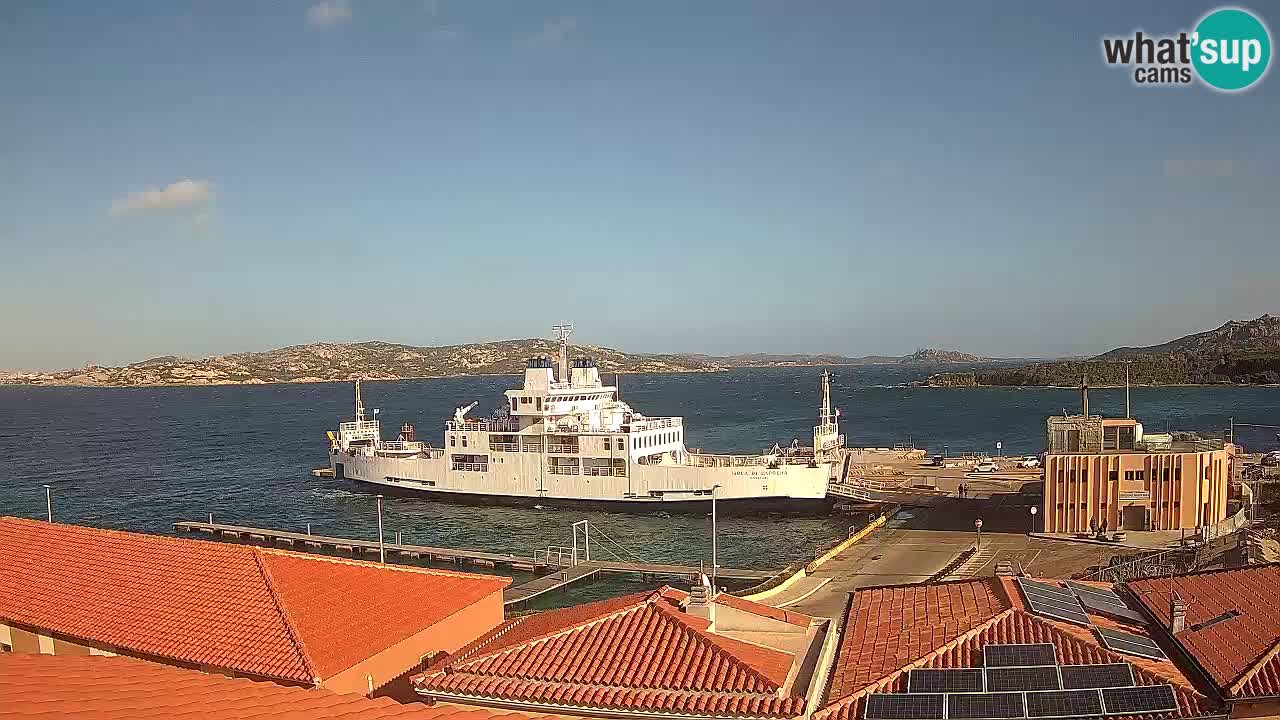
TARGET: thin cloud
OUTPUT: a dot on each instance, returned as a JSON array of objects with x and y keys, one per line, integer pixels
[
  {"x": 552, "y": 33},
  {"x": 184, "y": 193},
  {"x": 1198, "y": 166},
  {"x": 328, "y": 14}
]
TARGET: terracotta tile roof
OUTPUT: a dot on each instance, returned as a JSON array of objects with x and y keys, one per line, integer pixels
[
  {"x": 263, "y": 612},
  {"x": 1241, "y": 653},
  {"x": 638, "y": 652},
  {"x": 887, "y": 628},
  {"x": 43, "y": 687},
  {"x": 890, "y": 630}
]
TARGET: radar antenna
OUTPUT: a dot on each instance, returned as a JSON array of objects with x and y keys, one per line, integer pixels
[{"x": 562, "y": 333}]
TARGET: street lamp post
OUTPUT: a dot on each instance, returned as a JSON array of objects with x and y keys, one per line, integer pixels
[
  {"x": 48, "y": 501},
  {"x": 382, "y": 550},
  {"x": 715, "y": 563},
  {"x": 977, "y": 524},
  {"x": 1034, "y": 510}
]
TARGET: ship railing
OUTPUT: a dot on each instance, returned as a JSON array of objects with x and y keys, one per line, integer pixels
[
  {"x": 401, "y": 446},
  {"x": 480, "y": 426},
  {"x": 504, "y": 447},
  {"x": 563, "y": 449},
  {"x": 360, "y": 426},
  {"x": 703, "y": 460},
  {"x": 655, "y": 424},
  {"x": 565, "y": 470},
  {"x": 596, "y": 471},
  {"x": 469, "y": 467}
]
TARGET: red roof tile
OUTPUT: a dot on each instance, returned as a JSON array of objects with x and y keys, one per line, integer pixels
[
  {"x": 635, "y": 652},
  {"x": 945, "y": 625},
  {"x": 1239, "y": 653},
  {"x": 43, "y": 687},
  {"x": 256, "y": 611}
]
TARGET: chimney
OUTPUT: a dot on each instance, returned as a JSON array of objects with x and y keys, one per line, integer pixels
[
  {"x": 1177, "y": 615},
  {"x": 700, "y": 603},
  {"x": 1084, "y": 395}
]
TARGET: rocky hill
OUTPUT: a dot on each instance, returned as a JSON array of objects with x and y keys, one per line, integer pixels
[
  {"x": 321, "y": 362},
  {"x": 931, "y": 356},
  {"x": 1238, "y": 352}
]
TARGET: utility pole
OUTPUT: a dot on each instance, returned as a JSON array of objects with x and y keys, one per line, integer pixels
[{"x": 715, "y": 562}]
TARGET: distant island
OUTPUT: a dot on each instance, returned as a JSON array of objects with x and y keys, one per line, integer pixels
[
  {"x": 329, "y": 362},
  {"x": 1238, "y": 352}
]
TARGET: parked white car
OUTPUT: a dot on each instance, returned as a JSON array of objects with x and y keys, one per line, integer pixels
[
  {"x": 986, "y": 467},
  {"x": 1030, "y": 461}
]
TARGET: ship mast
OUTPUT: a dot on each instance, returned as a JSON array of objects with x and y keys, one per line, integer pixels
[
  {"x": 359, "y": 403},
  {"x": 562, "y": 332}
]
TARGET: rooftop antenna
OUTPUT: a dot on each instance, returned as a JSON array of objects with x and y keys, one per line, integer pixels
[
  {"x": 562, "y": 333},
  {"x": 1126, "y": 389},
  {"x": 1084, "y": 395}
]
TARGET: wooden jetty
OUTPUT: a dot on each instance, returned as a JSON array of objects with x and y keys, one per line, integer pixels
[{"x": 559, "y": 573}]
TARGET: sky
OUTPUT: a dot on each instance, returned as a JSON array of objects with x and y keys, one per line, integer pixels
[{"x": 199, "y": 177}]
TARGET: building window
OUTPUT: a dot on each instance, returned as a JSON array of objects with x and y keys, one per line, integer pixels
[
  {"x": 6, "y": 647},
  {"x": 1073, "y": 441},
  {"x": 1166, "y": 474},
  {"x": 1109, "y": 436},
  {"x": 1126, "y": 438},
  {"x": 464, "y": 441},
  {"x": 1084, "y": 475},
  {"x": 453, "y": 441},
  {"x": 1113, "y": 476},
  {"x": 539, "y": 404},
  {"x": 1084, "y": 506},
  {"x": 1128, "y": 476}
]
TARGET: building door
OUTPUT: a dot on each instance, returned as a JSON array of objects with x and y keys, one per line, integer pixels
[{"x": 1133, "y": 517}]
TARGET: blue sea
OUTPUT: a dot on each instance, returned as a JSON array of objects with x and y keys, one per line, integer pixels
[{"x": 142, "y": 458}]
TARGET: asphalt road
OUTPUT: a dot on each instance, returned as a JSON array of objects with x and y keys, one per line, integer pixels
[{"x": 919, "y": 542}]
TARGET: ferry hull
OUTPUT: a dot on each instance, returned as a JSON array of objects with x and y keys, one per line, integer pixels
[
  {"x": 797, "y": 489},
  {"x": 733, "y": 506}
]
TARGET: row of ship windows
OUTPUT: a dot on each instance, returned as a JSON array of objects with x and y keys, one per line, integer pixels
[
  {"x": 621, "y": 444},
  {"x": 537, "y": 401},
  {"x": 659, "y": 439}
]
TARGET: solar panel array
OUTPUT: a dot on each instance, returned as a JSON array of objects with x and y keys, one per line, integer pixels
[
  {"x": 1034, "y": 705},
  {"x": 1028, "y": 655},
  {"x": 1104, "y": 602},
  {"x": 1145, "y": 699},
  {"x": 1023, "y": 678},
  {"x": 1063, "y": 703},
  {"x": 1123, "y": 642},
  {"x": 927, "y": 680},
  {"x": 1017, "y": 684},
  {"x": 1076, "y": 677},
  {"x": 1054, "y": 601}
]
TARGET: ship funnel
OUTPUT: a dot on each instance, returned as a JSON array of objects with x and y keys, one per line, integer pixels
[{"x": 562, "y": 333}]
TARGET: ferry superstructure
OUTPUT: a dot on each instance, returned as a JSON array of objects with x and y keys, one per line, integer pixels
[{"x": 566, "y": 438}]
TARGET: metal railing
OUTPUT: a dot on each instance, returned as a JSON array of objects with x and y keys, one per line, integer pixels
[
  {"x": 654, "y": 424},
  {"x": 555, "y": 556},
  {"x": 363, "y": 425},
  {"x": 504, "y": 425},
  {"x": 563, "y": 449},
  {"x": 504, "y": 446},
  {"x": 565, "y": 470},
  {"x": 401, "y": 446}
]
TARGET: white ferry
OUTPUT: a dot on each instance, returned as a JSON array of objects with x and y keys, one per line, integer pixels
[{"x": 564, "y": 438}]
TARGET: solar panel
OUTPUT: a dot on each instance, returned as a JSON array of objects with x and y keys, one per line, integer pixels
[
  {"x": 1031, "y": 586},
  {"x": 1130, "y": 644},
  {"x": 1075, "y": 677},
  {"x": 1075, "y": 615},
  {"x": 1117, "y": 610},
  {"x": 1053, "y": 601},
  {"x": 1063, "y": 703},
  {"x": 1022, "y": 678},
  {"x": 986, "y": 706},
  {"x": 1092, "y": 589},
  {"x": 902, "y": 706},
  {"x": 1025, "y": 655},
  {"x": 941, "y": 681},
  {"x": 1132, "y": 700}
]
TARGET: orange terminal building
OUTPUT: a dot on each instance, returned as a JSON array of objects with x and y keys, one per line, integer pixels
[{"x": 1107, "y": 470}]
